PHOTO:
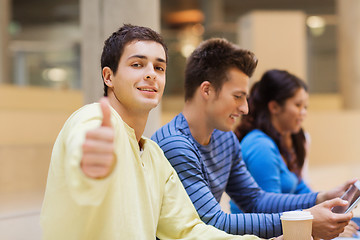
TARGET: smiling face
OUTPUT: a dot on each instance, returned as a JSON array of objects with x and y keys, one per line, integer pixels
[
  {"x": 139, "y": 82},
  {"x": 227, "y": 105},
  {"x": 289, "y": 117}
]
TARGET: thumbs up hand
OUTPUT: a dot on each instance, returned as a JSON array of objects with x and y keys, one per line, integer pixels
[{"x": 98, "y": 148}]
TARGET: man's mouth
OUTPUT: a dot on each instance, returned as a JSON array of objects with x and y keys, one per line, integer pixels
[
  {"x": 147, "y": 89},
  {"x": 233, "y": 116}
]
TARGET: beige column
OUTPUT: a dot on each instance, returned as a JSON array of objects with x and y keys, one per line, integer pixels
[
  {"x": 349, "y": 52},
  {"x": 4, "y": 40},
  {"x": 214, "y": 13},
  {"x": 278, "y": 38},
  {"x": 99, "y": 18}
]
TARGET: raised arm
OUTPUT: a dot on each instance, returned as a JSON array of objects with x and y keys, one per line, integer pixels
[
  {"x": 88, "y": 140},
  {"x": 98, "y": 147}
]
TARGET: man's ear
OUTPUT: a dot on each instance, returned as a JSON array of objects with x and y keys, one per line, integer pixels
[
  {"x": 108, "y": 76},
  {"x": 274, "y": 107},
  {"x": 205, "y": 89}
]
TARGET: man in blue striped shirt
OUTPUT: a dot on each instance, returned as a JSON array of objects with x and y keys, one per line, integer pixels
[{"x": 206, "y": 154}]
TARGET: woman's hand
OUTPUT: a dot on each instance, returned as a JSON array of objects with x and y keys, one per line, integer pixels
[{"x": 335, "y": 192}]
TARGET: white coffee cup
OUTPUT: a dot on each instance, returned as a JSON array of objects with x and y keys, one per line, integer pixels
[{"x": 297, "y": 225}]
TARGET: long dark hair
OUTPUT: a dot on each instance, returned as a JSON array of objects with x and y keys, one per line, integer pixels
[{"x": 274, "y": 85}]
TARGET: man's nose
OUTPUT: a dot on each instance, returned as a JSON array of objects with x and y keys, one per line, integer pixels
[
  {"x": 244, "y": 108},
  {"x": 150, "y": 73}
]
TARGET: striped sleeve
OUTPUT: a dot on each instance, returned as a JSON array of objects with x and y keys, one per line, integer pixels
[
  {"x": 265, "y": 219},
  {"x": 244, "y": 190},
  {"x": 185, "y": 161}
]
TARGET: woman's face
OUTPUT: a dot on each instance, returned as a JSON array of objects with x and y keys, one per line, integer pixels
[{"x": 290, "y": 116}]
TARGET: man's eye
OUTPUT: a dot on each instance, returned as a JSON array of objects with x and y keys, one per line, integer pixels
[
  {"x": 136, "y": 65},
  {"x": 238, "y": 96},
  {"x": 160, "y": 69}
]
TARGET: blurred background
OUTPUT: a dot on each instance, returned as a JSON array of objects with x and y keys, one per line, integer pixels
[{"x": 49, "y": 67}]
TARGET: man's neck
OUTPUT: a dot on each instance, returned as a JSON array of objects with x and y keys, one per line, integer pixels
[
  {"x": 135, "y": 120},
  {"x": 198, "y": 122}
]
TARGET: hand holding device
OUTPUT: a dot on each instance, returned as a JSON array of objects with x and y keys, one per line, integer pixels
[{"x": 352, "y": 195}]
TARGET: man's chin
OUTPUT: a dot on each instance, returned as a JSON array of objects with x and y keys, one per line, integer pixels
[
  {"x": 151, "y": 104},
  {"x": 226, "y": 128}
]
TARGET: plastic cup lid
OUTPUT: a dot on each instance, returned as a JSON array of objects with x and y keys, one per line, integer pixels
[{"x": 296, "y": 215}]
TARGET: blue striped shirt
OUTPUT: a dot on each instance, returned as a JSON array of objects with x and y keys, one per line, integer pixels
[{"x": 207, "y": 171}]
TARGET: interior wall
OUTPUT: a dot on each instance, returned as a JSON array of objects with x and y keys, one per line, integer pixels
[
  {"x": 31, "y": 119},
  {"x": 278, "y": 38}
]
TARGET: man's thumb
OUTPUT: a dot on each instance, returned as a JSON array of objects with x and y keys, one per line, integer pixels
[
  {"x": 337, "y": 202},
  {"x": 105, "y": 109}
]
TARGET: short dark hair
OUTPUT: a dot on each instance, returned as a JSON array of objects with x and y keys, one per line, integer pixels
[
  {"x": 211, "y": 61},
  {"x": 115, "y": 44}
]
